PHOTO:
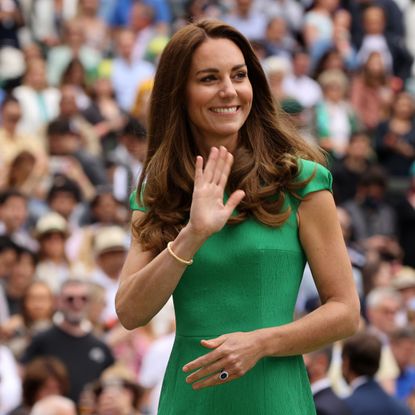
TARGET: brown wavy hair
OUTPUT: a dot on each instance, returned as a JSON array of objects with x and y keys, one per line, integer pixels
[{"x": 265, "y": 162}]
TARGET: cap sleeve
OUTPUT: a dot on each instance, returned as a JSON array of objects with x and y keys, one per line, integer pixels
[
  {"x": 321, "y": 178},
  {"x": 134, "y": 205}
]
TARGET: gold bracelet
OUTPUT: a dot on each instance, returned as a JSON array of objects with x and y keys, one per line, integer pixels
[{"x": 177, "y": 258}]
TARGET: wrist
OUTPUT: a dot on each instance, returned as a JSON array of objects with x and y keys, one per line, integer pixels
[
  {"x": 266, "y": 340},
  {"x": 194, "y": 235},
  {"x": 185, "y": 245}
]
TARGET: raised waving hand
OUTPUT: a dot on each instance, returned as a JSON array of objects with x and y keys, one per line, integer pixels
[{"x": 208, "y": 213}]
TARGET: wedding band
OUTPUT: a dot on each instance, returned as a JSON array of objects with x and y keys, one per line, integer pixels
[{"x": 223, "y": 375}]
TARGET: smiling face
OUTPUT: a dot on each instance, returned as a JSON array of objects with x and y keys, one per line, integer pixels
[{"x": 219, "y": 94}]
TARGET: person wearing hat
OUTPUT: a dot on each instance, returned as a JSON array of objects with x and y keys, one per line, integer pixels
[
  {"x": 117, "y": 391},
  {"x": 52, "y": 231},
  {"x": 300, "y": 117},
  {"x": 404, "y": 282},
  {"x": 110, "y": 248}
]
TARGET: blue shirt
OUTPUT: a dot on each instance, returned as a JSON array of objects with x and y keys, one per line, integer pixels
[
  {"x": 121, "y": 13},
  {"x": 126, "y": 78},
  {"x": 405, "y": 383}
]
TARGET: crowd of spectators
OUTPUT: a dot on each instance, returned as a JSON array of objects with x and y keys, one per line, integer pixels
[{"x": 75, "y": 82}]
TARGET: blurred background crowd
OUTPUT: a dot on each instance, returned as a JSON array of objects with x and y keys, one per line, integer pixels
[{"x": 75, "y": 81}]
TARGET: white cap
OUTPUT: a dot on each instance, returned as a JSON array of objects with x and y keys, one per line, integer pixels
[
  {"x": 51, "y": 222},
  {"x": 405, "y": 278},
  {"x": 110, "y": 238}
]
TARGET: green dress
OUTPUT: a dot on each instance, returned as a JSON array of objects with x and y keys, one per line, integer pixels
[{"x": 243, "y": 278}]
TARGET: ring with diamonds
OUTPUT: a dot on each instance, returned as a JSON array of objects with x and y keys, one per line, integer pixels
[{"x": 223, "y": 375}]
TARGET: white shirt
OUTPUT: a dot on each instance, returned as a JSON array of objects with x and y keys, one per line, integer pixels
[
  {"x": 303, "y": 89},
  {"x": 340, "y": 128},
  {"x": 4, "y": 310},
  {"x": 10, "y": 383},
  {"x": 375, "y": 43},
  {"x": 38, "y": 108},
  {"x": 111, "y": 287},
  {"x": 153, "y": 368},
  {"x": 252, "y": 27},
  {"x": 320, "y": 385},
  {"x": 359, "y": 381}
]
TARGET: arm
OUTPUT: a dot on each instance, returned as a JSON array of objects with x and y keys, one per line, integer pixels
[
  {"x": 336, "y": 318},
  {"x": 148, "y": 280}
]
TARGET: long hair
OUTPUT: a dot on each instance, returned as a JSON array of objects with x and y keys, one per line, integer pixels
[{"x": 265, "y": 161}]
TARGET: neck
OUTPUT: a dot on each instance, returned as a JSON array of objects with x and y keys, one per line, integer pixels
[
  {"x": 316, "y": 377},
  {"x": 205, "y": 144},
  {"x": 10, "y": 129},
  {"x": 113, "y": 276},
  {"x": 57, "y": 259},
  {"x": 89, "y": 13},
  {"x": 127, "y": 59},
  {"x": 355, "y": 163},
  {"x": 75, "y": 330},
  {"x": 243, "y": 12},
  {"x": 357, "y": 380},
  {"x": 13, "y": 292}
]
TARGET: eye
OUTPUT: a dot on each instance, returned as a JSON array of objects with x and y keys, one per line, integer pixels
[
  {"x": 240, "y": 75},
  {"x": 208, "y": 78}
]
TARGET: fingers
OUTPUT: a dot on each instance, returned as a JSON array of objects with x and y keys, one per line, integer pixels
[
  {"x": 226, "y": 170},
  {"x": 220, "y": 165},
  {"x": 198, "y": 169},
  {"x": 205, "y": 360},
  {"x": 234, "y": 200},
  {"x": 211, "y": 165},
  {"x": 212, "y": 380},
  {"x": 203, "y": 372},
  {"x": 213, "y": 343}
]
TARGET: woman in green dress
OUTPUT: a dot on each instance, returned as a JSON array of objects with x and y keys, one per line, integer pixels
[{"x": 230, "y": 206}]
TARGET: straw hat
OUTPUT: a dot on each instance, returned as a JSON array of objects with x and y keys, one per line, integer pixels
[
  {"x": 405, "y": 278},
  {"x": 110, "y": 238},
  {"x": 51, "y": 222}
]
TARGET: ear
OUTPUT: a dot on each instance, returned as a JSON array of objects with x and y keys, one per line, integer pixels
[
  {"x": 321, "y": 363},
  {"x": 345, "y": 367}
]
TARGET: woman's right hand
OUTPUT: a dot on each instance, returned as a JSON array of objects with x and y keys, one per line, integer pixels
[{"x": 208, "y": 213}]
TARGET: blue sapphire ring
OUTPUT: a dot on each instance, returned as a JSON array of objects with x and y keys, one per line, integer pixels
[{"x": 223, "y": 375}]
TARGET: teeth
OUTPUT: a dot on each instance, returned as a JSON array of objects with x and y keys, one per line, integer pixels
[{"x": 225, "y": 110}]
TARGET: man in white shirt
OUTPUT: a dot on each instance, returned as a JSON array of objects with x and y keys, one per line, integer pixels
[
  {"x": 128, "y": 73},
  {"x": 299, "y": 84},
  {"x": 251, "y": 23}
]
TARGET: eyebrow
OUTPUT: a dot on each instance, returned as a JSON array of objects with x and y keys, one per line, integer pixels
[{"x": 215, "y": 70}]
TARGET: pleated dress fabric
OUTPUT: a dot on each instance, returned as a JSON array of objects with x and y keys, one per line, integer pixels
[{"x": 243, "y": 278}]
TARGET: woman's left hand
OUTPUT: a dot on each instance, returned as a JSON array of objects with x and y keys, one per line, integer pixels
[{"x": 235, "y": 353}]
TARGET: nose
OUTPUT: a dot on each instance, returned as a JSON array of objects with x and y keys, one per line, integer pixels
[{"x": 227, "y": 89}]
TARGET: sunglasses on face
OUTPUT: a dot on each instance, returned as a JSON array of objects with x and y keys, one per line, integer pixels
[{"x": 71, "y": 299}]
